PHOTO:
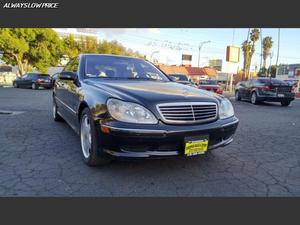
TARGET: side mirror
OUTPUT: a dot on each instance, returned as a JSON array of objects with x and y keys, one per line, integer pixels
[{"x": 66, "y": 75}]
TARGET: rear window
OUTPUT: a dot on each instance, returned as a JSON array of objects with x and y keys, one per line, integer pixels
[
  {"x": 273, "y": 81},
  {"x": 43, "y": 76},
  {"x": 180, "y": 77},
  {"x": 208, "y": 82}
]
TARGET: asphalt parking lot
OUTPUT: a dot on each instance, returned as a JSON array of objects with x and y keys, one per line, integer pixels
[{"x": 39, "y": 157}]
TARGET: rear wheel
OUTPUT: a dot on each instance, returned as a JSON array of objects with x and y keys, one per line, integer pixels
[
  {"x": 55, "y": 115},
  {"x": 34, "y": 86},
  {"x": 15, "y": 85},
  {"x": 254, "y": 98},
  {"x": 90, "y": 141},
  {"x": 237, "y": 96},
  {"x": 285, "y": 103}
]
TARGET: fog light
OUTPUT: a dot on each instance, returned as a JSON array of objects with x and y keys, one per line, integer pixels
[{"x": 105, "y": 130}]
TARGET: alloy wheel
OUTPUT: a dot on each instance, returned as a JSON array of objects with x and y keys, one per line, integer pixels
[
  {"x": 253, "y": 98},
  {"x": 85, "y": 136},
  {"x": 54, "y": 110}
]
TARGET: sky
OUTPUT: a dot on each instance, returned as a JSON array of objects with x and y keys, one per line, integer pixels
[{"x": 170, "y": 43}]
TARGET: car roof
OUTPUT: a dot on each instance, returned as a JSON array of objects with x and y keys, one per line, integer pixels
[{"x": 111, "y": 55}]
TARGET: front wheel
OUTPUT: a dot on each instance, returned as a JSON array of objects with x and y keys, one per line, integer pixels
[
  {"x": 90, "y": 141},
  {"x": 254, "y": 98},
  {"x": 285, "y": 103}
]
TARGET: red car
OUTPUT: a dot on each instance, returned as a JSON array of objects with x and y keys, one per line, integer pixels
[{"x": 210, "y": 85}]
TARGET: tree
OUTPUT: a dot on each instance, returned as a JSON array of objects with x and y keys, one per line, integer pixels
[
  {"x": 71, "y": 46},
  {"x": 272, "y": 70},
  {"x": 88, "y": 45},
  {"x": 30, "y": 48},
  {"x": 267, "y": 45},
  {"x": 248, "y": 48}
]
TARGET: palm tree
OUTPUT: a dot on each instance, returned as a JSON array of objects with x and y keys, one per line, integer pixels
[
  {"x": 267, "y": 45},
  {"x": 248, "y": 48}
]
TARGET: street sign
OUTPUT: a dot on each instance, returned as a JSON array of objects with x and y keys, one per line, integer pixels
[
  {"x": 186, "y": 57},
  {"x": 233, "y": 54}
]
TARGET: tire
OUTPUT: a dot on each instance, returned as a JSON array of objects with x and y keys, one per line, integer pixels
[
  {"x": 34, "y": 86},
  {"x": 15, "y": 85},
  {"x": 254, "y": 98},
  {"x": 90, "y": 141},
  {"x": 285, "y": 103},
  {"x": 55, "y": 115},
  {"x": 237, "y": 96}
]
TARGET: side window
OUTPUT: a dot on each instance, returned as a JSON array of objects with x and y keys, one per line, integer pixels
[{"x": 72, "y": 66}]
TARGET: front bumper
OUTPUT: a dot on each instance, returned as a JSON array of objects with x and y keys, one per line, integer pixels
[{"x": 162, "y": 140}]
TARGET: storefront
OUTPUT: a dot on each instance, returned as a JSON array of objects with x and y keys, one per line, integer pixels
[{"x": 290, "y": 73}]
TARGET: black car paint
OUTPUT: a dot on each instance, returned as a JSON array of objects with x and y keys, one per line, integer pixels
[
  {"x": 71, "y": 96},
  {"x": 246, "y": 88}
]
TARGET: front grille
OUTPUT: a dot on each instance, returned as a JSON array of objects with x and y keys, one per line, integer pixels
[{"x": 188, "y": 112}]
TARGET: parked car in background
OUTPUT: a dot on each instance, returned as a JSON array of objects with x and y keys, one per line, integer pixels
[
  {"x": 182, "y": 79},
  {"x": 210, "y": 85},
  {"x": 125, "y": 107},
  {"x": 265, "y": 89},
  {"x": 34, "y": 81}
]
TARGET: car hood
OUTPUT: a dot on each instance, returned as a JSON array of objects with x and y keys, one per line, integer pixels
[{"x": 152, "y": 92}]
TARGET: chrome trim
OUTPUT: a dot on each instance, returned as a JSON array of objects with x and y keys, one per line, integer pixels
[
  {"x": 151, "y": 131},
  {"x": 222, "y": 143},
  {"x": 125, "y": 153},
  {"x": 141, "y": 131},
  {"x": 141, "y": 154},
  {"x": 68, "y": 107},
  {"x": 231, "y": 123},
  {"x": 191, "y": 104}
]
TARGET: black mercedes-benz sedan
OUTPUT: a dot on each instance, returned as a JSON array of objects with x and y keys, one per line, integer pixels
[
  {"x": 265, "y": 89},
  {"x": 125, "y": 107}
]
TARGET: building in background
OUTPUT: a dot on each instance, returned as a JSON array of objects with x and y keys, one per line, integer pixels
[
  {"x": 194, "y": 73},
  {"x": 216, "y": 64},
  {"x": 77, "y": 32},
  {"x": 290, "y": 72}
]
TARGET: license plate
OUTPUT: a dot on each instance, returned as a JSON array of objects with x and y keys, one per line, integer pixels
[
  {"x": 195, "y": 147},
  {"x": 280, "y": 95}
]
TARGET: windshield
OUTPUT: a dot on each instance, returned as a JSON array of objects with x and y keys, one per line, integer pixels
[
  {"x": 179, "y": 77},
  {"x": 115, "y": 67},
  {"x": 208, "y": 82}
]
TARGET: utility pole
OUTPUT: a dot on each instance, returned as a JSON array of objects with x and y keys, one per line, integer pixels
[
  {"x": 200, "y": 47},
  {"x": 271, "y": 56},
  {"x": 278, "y": 47},
  {"x": 261, "y": 48}
]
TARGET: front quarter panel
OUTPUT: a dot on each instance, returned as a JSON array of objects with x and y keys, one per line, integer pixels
[{"x": 95, "y": 99}]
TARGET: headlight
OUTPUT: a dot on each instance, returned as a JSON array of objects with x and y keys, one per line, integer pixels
[
  {"x": 130, "y": 112},
  {"x": 225, "y": 109}
]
